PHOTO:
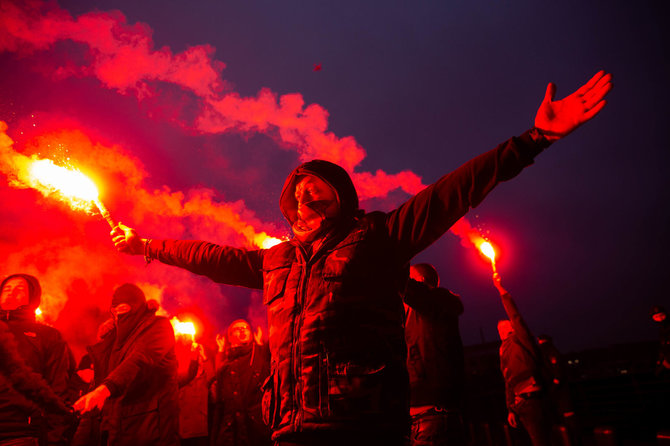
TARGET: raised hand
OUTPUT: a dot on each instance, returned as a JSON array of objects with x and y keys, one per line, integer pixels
[
  {"x": 558, "y": 118},
  {"x": 497, "y": 282},
  {"x": 258, "y": 336},
  {"x": 126, "y": 240},
  {"x": 221, "y": 342}
]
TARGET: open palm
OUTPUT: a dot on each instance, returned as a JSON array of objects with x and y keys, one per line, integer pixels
[{"x": 558, "y": 118}]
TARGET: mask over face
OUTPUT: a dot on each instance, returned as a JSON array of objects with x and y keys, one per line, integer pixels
[
  {"x": 133, "y": 296},
  {"x": 316, "y": 203},
  {"x": 316, "y": 196}
]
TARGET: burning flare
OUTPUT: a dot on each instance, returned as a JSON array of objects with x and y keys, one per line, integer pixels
[
  {"x": 71, "y": 185},
  {"x": 183, "y": 328},
  {"x": 488, "y": 251}
]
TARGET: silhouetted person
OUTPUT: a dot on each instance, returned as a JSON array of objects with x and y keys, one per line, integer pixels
[
  {"x": 660, "y": 316},
  {"x": 242, "y": 365},
  {"x": 435, "y": 360},
  {"x": 136, "y": 362},
  {"x": 334, "y": 292},
  {"x": 553, "y": 366},
  {"x": 520, "y": 362},
  {"x": 34, "y": 356}
]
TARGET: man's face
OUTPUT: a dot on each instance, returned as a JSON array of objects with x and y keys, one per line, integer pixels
[
  {"x": 505, "y": 329},
  {"x": 119, "y": 310},
  {"x": 659, "y": 317},
  {"x": 15, "y": 293},
  {"x": 316, "y": 199},
  {"x": 240, "y": 334}
]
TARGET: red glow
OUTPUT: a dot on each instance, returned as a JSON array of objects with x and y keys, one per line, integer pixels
[{"x": 122, "y": 56}]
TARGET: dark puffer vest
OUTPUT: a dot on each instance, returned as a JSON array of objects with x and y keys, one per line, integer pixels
[{"x": 335, "y": 310}]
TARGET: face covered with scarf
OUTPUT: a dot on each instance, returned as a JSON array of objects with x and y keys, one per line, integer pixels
[
  {"x": 129, "y": 306},
  {"x": 317, "y": 202},
  {"x": 317, "y": 196}
]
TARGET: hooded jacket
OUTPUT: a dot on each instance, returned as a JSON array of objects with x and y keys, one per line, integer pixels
[
  {"x": 335, "y": 309},
  {"x": 46, "y": 353}
]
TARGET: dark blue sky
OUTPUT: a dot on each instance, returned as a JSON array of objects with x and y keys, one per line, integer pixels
[{"x": 425, "y": 86}]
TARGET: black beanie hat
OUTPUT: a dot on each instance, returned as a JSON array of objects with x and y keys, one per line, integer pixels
[{"x": 130, "y": 294}]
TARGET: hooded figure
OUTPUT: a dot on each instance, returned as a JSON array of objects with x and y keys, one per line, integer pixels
[
  {"x": 136, "y": 373},
  {"x": 37, "y": 365},
  {"x": 334, "y": 293}
]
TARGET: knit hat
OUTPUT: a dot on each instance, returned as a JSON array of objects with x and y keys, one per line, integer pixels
[{"x": 130, "y": 294}]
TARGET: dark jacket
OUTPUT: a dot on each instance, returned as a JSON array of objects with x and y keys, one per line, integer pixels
[
  {"x": 335, "y": 309},
  {"x": 141, "y": 375},
  {"x": 237, "y": 407},
  {"x": 435, "y": 359},
  {"x": 46, "y": 353},
  {"x": 520, "y": 359}
]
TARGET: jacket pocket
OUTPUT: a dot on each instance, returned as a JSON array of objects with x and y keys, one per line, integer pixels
[
  {"x": 270, "y": 400},
  {"x": 355, "y": 389},
  {"x": 274, "y": 283}
]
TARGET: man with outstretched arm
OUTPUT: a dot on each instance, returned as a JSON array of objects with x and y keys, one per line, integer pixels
[{"x": 334, "y": 292}]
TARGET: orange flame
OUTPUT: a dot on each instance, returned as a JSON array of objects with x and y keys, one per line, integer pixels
[
  {"x": 71, "y": 185},
  {"x": 183, "y": 328},
  {"x": 487, "y": 249},
  {"x": 265, "y": 241}
]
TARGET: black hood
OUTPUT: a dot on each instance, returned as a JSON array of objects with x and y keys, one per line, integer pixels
[
  {"x": 331, "y": 173},
  {"x": 34, "y": 289}
]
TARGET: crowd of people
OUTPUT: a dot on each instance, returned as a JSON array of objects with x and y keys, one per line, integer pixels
[{"x": 361, "y": 348}]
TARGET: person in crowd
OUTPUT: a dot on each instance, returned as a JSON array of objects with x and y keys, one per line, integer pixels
[
  {"x": 137, "y": 367},
  {"x": 195, "y": 371},
  {"x": 435, "y": 360},
  {"x": 242, "y": 365},
  {"x": 521, "y": 365},
  {"x": 558, "y": 389},
  {"x": 36, "y": 369},
  {"x": 660, "y": 316},
  {"x": 334, "y": 292}
]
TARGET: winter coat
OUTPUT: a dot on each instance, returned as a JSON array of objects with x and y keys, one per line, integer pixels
[
  {"x": 435, "y": 359},
  {"x": 335, "y": 309},
  {"x": 46, "y": 353},
  {"x": 143, "y": 406},
  {"x": 237, "y": 405}
]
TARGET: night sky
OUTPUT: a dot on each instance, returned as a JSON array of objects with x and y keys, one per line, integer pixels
[{"x": 190, "y": 114}]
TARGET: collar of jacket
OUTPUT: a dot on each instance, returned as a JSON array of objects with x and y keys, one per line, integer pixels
[{"x": 23, "y": 313}]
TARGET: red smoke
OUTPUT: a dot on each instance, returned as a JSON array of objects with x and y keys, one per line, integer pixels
[
  {"x": 71, "y": 252},
  {"x": 122, "y": 58}
]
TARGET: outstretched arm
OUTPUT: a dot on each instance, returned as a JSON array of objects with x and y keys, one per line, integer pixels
[
  {"x": 557, "y": 119},
  {"x": 428, "y": 215}
]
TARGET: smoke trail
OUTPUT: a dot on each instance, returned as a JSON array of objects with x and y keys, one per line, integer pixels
[
  {"x": 122, "y": 58},
  {"x": 71, "y": 252}
]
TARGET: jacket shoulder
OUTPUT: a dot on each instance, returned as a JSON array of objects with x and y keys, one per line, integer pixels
[{"x": 279, "y": 255}]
